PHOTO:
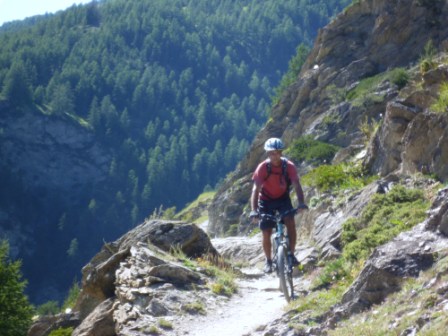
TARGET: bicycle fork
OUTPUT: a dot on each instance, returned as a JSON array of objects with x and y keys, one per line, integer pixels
[{"x": 278, "y": 242}]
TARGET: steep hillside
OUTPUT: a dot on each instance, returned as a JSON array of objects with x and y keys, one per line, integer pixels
[{"x": 354, "y": 76}]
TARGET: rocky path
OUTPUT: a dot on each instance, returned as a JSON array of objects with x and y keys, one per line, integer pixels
[{"x": 257, "y": 303}]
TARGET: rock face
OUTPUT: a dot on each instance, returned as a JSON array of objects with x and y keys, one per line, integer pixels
[
  {"x": 411, "y": 139},
  {"x": 52, "y": 153}
]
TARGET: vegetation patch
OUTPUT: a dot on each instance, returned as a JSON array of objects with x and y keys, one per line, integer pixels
[
  {"x": 369, "y": 128},
  {"x": 62, "y": 332},
  {"x": 383, "y": 218},
  {"x": 189, "y": 213},
  {"x": 295, "y": 64},
  {"x": 72, "y": 296},
  {"x": 194, "y": 308},
  {"x": 318, "y": 302},
  {"x": 427, "y": 60},
  {"x": 337, "y": 177},
  {"x": 165, "y": 324},
  {"x": 222, "y": 276},
  {"x": 48, "y": 308},
  {"x": 441, "y": 104},
  {"x": 364, "y": 92},
  {"x": 306, "y": 149}
]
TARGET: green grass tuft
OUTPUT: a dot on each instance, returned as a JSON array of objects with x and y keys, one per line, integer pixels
[{"x": 312, "y": 151}]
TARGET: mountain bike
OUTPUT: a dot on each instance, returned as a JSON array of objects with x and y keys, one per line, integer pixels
[{"x": 282, "y": 261}]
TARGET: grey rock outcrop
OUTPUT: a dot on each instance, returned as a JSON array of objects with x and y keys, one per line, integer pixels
[
  {"x": 134, "y": 280},
  {"x": 99, "y": 322},
  {"x": 99, "y": 275},
  {"x": 411, "y": 138}
]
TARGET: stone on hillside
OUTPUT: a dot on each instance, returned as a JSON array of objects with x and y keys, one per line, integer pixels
[
  {"x": 307, "y": 256},
  {"x": 389, "y": 265},
  {"x": 228, "y": 206},
  {"x": 438, "y": 219},
  {"x": 99, "y": 275},
  {"x": 240, "y": 249},
  {"x": 45, "y": 324},
  {"x": 425, "y": 145},
  {"x": 99, "y": 322},
  {"x": 167, "y": 235}
]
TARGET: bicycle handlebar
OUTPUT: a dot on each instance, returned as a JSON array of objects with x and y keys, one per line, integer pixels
[{"x": 279, "y": 216}]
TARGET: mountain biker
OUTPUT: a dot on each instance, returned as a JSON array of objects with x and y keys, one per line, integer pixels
[{"x": 270, "y": 193}]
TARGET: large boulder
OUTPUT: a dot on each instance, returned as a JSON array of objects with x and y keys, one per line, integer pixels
[{"x": 99, "y": 275}]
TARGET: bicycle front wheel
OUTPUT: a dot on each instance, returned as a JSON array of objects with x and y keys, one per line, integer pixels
[{"x": 284, "y": 273}]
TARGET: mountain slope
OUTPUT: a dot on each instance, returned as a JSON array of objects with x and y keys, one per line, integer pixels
[{"x": 345, "y": 82}]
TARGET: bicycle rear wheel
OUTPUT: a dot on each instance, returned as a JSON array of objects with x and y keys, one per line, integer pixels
[{"x": 284, "y": 274}]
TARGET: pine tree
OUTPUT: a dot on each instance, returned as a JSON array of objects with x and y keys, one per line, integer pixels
[{"x": 15, "y": 310}]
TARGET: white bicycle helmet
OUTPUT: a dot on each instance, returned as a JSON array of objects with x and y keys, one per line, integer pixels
[{"x": 273, "y": 144}]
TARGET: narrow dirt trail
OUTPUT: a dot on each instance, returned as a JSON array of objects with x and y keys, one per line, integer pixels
[{"x": 257, "y": 303}]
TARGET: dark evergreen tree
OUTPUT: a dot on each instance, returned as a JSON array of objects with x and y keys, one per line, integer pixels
[
  {"x": 16, "y": 86},
  {"x": 15, "y": 310}
]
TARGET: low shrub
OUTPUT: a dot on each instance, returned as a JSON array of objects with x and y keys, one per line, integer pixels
[
  {"x": 399, "y": 76},
  {"x": 427, "y": 61},
  {"x": 306, "y": 149},
  {"x": 336, "y": 177}
]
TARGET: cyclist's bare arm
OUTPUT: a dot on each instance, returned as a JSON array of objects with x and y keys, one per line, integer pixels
[
  {"x": 254, "y": 196},
  {"x": 299, "y": 191},
  {"x": 254, "y": 201}
]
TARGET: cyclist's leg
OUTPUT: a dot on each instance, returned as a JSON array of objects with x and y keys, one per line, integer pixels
[
  {"x": 292, "y": 232},
  {"x": 290, "y": 223},
  {"x": 267, "y": 246},
  {"x": 266, "y": 226}
]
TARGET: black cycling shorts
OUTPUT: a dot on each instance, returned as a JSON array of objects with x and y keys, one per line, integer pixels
[{"x": 271, "y": 207}]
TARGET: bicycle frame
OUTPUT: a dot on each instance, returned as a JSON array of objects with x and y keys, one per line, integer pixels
[
  {"x": 281, "y": 262},
  {"x": 280, "y": 238}
]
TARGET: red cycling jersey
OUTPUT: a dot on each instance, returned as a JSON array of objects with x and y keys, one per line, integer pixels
[{"x": 274, "y": 186}]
